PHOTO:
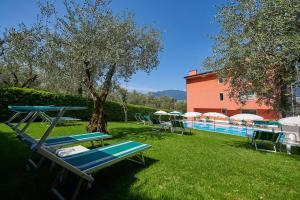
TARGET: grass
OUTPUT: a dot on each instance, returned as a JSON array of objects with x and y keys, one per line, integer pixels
[{"x": 203, "y": 165}]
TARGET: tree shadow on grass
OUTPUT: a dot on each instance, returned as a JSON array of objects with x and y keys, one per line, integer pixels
[
  {"x": 15, "y": 181},
  {"x": 141, "y": 133},
  {"x": 115, "y": 182}
]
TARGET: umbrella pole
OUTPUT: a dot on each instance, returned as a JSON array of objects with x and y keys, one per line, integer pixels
[{"x": 214, "y": 124}]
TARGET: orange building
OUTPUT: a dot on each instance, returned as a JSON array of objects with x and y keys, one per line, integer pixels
[{"x": 206, "y": 93}]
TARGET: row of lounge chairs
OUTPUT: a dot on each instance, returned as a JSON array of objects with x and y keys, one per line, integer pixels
[
  {"x": 172, "y": 125},
  {"x": 83, "y": 164}
]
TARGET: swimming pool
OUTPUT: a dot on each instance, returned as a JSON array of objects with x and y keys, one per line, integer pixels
[{"x": 227, "y": 129}]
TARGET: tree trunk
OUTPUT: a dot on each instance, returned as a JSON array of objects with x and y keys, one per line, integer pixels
[
  {"x": 125, "y": 112},
  {"x": 98, "y": 121}
]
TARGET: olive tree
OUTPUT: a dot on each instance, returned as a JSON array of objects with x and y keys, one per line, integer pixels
[
  {"x": 20, "y": 50},
  {"x": 257, "y": 49},
  {"x": 90, "y": 40}
]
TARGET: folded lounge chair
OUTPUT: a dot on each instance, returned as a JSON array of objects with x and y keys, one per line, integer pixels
[
  {"x": 32, "y": 112},
  {"x": 265, "y": 137}
]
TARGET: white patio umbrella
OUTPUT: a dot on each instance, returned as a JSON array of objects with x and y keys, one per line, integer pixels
[
  {"x": 215, "y": 115},
  {"x": 192, "y": 115},
  {"x": 246, "y": 117},
  {"x": 290, "y": 121},
  {"x": 175, "y": 113},
  {"x": 160, "y": 113}
]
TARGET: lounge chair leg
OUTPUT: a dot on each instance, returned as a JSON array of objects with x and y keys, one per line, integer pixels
[
  {"x": 255, "y": 146},
  {"x": 141, "y": 159},
  {"x": 40, "y": 162},
  {"x": 52, "y": 166},
  {"x": 54, "y": 184},
  {"x": 77, "y": 189},
  {"x": 288, "y": 149}
]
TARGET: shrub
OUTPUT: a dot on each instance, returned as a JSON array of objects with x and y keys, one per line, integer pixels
[{"x": 25, "y": 96}]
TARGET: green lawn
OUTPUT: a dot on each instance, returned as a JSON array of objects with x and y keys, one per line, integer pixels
[{"x": 203, "y": 165}]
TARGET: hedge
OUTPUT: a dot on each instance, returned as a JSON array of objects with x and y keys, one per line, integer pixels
[{"x": 25, "y": 96}]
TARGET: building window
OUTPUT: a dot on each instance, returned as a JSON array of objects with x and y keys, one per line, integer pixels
[
  {"x": 248, "y": 111},
  {"x": 247, "y": 96},
  {"x": 221, "y": 96},
  {"x": 224, "y": 111}
]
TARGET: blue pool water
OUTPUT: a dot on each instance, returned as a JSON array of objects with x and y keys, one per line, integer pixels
[{"x": 232, "y": 130}]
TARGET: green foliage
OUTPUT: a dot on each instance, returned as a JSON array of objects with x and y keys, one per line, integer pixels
[
  {"x": 257, "y": 48},
  {"x": 138, "y": 98},
  {"x": 21, "y": 49},
  {"x": 26, "y": 96}
]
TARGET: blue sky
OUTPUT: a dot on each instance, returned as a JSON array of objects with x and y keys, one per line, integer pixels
[{"x": 185, "y": 27}]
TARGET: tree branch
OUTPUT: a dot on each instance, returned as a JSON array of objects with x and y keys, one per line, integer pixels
[
  {"x": 29, "y": 81},
  {"x": 16, "y": 80},
  {"x": 88, "y": 83},
  {"x": 108, "y": 82}
]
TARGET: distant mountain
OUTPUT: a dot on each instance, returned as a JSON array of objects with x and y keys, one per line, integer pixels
[{"x": 176, "y": 94}]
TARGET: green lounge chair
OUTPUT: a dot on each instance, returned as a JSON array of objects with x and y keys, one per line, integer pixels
[
  {"x": 147, "y": 119},
  {"x": 178, "y": 125},
  {"x": 265, "y": 137},
  {"x": 139, "y": 118},
  {"x": 155, "y": 122},
  {"x": 208, "y": 120}
]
